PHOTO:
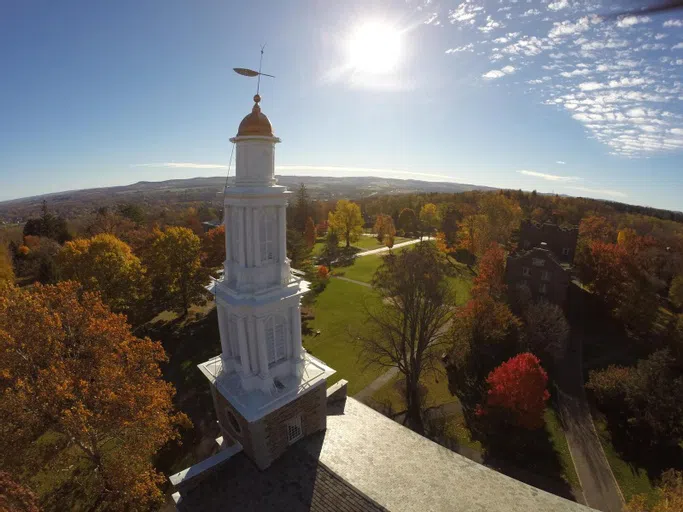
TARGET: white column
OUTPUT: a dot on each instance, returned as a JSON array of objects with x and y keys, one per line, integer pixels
[
  {"x": 223, "y": 331},
  {"x": 226, "y": 224},
  {"x": 257, "y": 237},
  {"x": 253, "y": 340},
  {"x": 239, "y": 211},
  {"x": 250, "y": 237},
  {"x": 261, "y": 344},
  {"x": 295, "y": 315},
  {"x": 282, "y": 233},
  {"x": 244, "y": 351}
]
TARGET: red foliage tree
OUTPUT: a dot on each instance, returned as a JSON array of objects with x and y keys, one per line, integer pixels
[
  {"x": 518, "y": 387},
  {"x": 490, "y": 282}
]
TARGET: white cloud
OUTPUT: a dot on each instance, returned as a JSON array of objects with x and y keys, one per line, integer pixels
[
  {"x": 432, "y": 18},
  {"x": 590, "y": 86},
  {"x": 629, "y": 21},
  {"x": 549, "y": 177},
  {"x": 466, "y": 48},
  {"x": 678, "y": 46},
  {"x": 673, "y": 23},
  {"x": 560, "y": 162},
  {"x": 491, "y": 24},
  {"x": 508, "y": 69},
  {"x": 493, "y": 74},
  {"x": 558, "y": 5}
]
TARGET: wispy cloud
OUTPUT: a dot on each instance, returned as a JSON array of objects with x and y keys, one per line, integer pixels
[
  {"x": 183, "y": 165},
  {"x": 560, "y": 162},
  {"x": 594, "y": 69},
  {"x": 549, "y": 177},
  {"x": 312, "y": 169},
  {"x": 600, "y": 191}
]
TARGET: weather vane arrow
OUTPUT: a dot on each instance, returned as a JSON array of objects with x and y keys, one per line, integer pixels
[{"x": 251, "y": 73}]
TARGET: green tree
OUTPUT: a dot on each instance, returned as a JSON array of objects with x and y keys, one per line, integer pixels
[
  {"x": 330, "y": 251},
  {"x": 407, "y": 220},
  {"x": 106, "y": 265},
  {"x": 174, "y": 265},
  {"x": 429, "y": 217},
  {"x": 302, "y": 209},
  {"x": 676, "y": 291},
  {"x": 49, "y": 226},
  {"x": 346, "y": 220},
  {"x": 298, "y": 250},
  {"x": 407, "y": 330}
]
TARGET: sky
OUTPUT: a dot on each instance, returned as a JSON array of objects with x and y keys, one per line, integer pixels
[{"x": 549, "y": 95}]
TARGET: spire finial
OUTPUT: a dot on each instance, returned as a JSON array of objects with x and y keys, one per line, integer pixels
[{"x": 251, "y": 73}]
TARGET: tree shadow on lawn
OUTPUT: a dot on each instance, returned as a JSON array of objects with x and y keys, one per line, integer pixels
[
  {"x": 633, "y": 448},
  {"x": 187, "y": 342},
  {"x": 526, "y": 455}
]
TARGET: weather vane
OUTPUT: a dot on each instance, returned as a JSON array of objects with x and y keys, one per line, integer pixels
[{"x": 251, "y": 73}]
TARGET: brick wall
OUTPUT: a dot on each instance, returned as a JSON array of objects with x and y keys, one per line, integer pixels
[
  {"x": 559, "y": 240},
  {"x": 266, "y": 439},
  {"x": 558, "y": 279}
]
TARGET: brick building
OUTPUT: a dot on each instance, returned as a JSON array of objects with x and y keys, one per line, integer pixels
[
  {"x": 560, "y": 240},
  {"x": 539, "y": 270}
]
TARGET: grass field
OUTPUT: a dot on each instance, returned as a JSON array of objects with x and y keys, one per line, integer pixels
[
  {"x": 338, "y": 311},
  {"x": 559, "y": 441}
]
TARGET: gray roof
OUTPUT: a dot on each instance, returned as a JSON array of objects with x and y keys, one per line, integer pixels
[{"x": 365, "y": 461}]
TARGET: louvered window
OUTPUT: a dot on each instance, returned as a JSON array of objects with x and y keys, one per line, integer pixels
[
  {"x": 276, "y": 339},
  {"x": 294, "y": 430}
]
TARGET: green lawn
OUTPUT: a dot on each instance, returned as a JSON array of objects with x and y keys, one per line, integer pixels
[
  {"x": 363, "y": 268},
  {"x": 364, "y": 243},
  {"x": 338, "y": 312},
  {"x": 631, "y": 480},
  {"x": 559, "y": 441}
]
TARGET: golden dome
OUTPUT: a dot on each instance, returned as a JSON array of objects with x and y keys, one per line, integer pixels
[{"x": 255, "y": 123}]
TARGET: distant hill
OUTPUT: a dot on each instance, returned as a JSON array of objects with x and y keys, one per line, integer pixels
[{"x": 161, "y": 193}]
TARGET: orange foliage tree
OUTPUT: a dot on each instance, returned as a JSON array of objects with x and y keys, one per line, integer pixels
[
  {"x": 14, "y": 497},
  {"x": 309, "y": 233},
  {"x": 70, "y": 366},
  {"x": 6, "y": 269},
  {"x": 517, "y": 388},
  {"x": 213, "y": 247},
  {"x": 490, "y": 280}
]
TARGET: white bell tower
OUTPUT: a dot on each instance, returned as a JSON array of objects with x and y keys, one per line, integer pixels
[{"x": 263, "y": 367}]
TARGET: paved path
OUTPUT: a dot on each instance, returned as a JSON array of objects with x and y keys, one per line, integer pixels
[
  {"x": 376, "y": 384},
  {"x": 397, "y": 246},
  {"x": 597, "y": 480},
  {"x": 342, "y": 278}
]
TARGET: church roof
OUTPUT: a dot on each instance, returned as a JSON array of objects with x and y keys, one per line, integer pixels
[{"x": 365, "y": 461}]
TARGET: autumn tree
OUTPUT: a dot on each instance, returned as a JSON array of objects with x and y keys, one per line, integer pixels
[
  {"x": 547, "y": 330},
  {"x": 15, "y": 497},
  {"x": 6, "y": 270},
  {"x": 174, "y": 266},
  {"x": 517, "y": 392},
  {"x": 503, "y": 216},
  {"x": 309, "y": 233},
  {"x": 106, "y": 265},
  {"x": 72, "y": 367},
  {"x": 484, "y": 333},
  {"x": 407, "y": 329},
  {"x": 596, "y": 228},
  {"x": 213, "y": 247},
  {"x": 646, "y": 399},
  {"x": 490, "y": 279},
  {"x": 429, "y": 217},
  {"x": 384, "y": 226},
  {"x": 407, "y": 220},
  {"x": 669, "y": 495},
  {"x": 347, "y": 221},
  {"x": 676, "y": 291}
]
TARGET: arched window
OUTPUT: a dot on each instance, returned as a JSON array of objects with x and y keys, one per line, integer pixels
[
  {"x": 267, "y": 235},
  {"x": 276, "y": 339}
]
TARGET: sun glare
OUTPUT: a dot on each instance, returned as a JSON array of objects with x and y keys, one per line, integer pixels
[{"x": 374, "y": 47}]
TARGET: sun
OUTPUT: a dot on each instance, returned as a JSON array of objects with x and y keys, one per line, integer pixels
[{"x": 374, "y": 47}]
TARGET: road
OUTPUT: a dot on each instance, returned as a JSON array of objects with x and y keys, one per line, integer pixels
[{"x": 397, "y": 246}]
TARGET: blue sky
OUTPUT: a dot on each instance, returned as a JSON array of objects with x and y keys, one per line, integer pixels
[{"x": 531, "y": 95}]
